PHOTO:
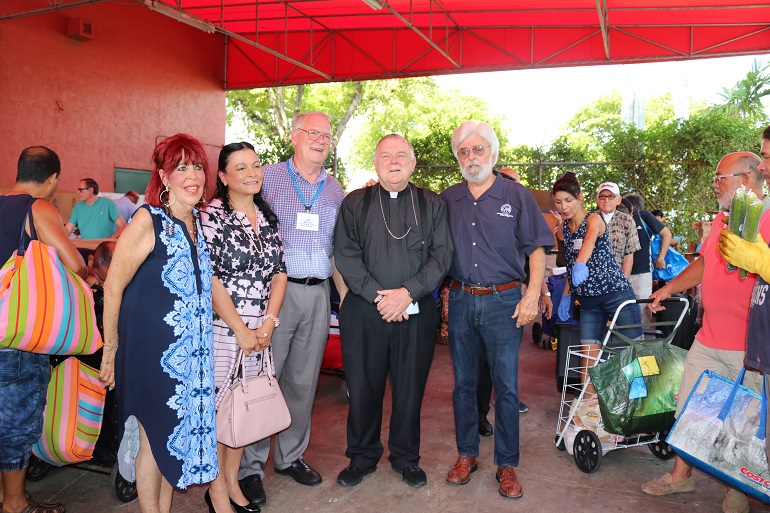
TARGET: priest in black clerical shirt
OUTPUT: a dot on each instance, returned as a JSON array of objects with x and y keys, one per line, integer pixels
[{"x": 393, "y": 248}]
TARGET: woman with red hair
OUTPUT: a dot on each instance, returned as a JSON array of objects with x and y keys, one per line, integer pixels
[{"x": 157, "y": 305}]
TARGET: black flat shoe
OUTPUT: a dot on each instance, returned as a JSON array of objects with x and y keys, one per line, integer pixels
[
  {"x": 301, "y": 472},
  {"x": 413, "y": 475},
  {"x": 352, "y": 475},
  {"x": 252, "y": 488},
  {"x": 485, "y": 428}
]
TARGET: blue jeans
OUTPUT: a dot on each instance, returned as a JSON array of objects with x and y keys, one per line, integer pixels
[
  {"x": 23, "y": 385},
  {"x": 475, "y": 320},
  {"x": 593, "y": 321}
]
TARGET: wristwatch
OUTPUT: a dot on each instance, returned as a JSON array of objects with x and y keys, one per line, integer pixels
[{"x": 546, "y": 294}]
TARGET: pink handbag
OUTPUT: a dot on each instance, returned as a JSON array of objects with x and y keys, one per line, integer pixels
[{"x": 250, "y": 408}]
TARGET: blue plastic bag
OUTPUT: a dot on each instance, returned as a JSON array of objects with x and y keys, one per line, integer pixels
[{"x": 675, "y": 262}]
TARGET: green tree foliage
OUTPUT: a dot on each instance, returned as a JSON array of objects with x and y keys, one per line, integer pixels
[
  {"x": 670, "y": 163},
  {"x": 744, "y": 99}
]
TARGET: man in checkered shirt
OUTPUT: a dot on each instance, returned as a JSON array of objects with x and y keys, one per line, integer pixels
[
  {"x": 623, "y": 236},
  {"x": 306, "y": 199}
]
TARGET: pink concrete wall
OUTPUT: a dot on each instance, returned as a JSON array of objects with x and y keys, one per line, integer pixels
[{"x": 105, "y": 103}]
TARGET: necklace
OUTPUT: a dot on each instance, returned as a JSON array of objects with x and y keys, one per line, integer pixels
[
  {"x": 170, "y": 226},
  {"x": 248, "y": 229},
  {"x": 194, "y": 231},
  {"x": 382, "y": 210}
]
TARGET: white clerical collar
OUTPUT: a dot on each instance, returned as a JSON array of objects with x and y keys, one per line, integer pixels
[{"x": 393, "y": 194}]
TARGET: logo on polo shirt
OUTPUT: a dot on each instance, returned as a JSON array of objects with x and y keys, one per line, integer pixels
[{"x": 505, "y": 211}]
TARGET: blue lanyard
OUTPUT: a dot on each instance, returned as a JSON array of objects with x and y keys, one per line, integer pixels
[{"x": 302, "y": 196}]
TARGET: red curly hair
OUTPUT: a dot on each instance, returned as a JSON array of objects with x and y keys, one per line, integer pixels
[{"x": 168, "y": 154}]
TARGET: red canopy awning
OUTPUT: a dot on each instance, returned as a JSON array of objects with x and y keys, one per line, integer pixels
[{"x": 282, "y": 42}]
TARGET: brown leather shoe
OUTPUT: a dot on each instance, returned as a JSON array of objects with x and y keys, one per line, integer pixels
[
  {"x": 461, "y": 472},
  {"x": 509, "y": 483}
]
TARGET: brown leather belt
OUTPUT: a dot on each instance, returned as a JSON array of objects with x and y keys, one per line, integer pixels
[{"x": 481, "y": 291}]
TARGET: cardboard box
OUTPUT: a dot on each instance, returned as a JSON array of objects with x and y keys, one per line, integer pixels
[
  {"x": 544, "y": 199},
  {"x": 703, "y": 228}
]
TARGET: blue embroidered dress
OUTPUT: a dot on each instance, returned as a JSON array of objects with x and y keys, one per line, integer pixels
[{"x": 165, "y": 365}]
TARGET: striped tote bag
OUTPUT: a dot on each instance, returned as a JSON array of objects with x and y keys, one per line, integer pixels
[
  {"x": 45, "y": 307},
  {"x": 72, "y": 419}
]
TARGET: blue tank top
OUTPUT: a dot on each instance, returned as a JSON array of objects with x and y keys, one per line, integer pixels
[
  {"x": 604, "y": 273},
  {"x": 13, "y": 211}
]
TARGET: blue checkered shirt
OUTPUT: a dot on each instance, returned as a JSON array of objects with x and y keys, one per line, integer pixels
[{"x": 307, "y": 253}]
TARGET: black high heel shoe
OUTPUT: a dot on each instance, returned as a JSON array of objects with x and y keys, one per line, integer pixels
[
  {"x": 248, "y": 508},
  {"x": 207, "y": 498}
]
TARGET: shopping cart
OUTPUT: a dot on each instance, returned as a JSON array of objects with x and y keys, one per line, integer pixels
[{"x": 579, "y": 427}]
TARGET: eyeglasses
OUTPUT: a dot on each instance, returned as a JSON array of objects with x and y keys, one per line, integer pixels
[
  {"x": 606, "y": 197},
  {"x": 313, "y": 135},
  {"x": 719, "y": 178},
  {"x": 81, "y": 189},
  {"x": 477, "y": 150}
]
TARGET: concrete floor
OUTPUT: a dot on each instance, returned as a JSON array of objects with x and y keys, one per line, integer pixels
[{"x": 551, "y": 481}]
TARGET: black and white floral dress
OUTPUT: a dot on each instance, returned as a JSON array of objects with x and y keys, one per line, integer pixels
[{"x": 244, "y": 262}]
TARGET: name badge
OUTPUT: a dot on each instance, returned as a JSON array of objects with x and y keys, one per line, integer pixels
[
  {"x": 307, "y": 222},
  {"x": 577, "y": 244},
  {"x": 412, "y": 309}
]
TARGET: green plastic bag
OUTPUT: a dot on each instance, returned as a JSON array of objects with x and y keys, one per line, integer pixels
[{"x": 651, "y": 368}]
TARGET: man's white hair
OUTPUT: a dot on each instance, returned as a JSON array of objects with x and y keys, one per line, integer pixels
[{"x": 481, "y": 129}]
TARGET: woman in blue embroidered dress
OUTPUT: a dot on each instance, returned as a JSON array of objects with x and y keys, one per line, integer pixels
[
  {"x": 247, "y": 290},
  {"x": 157, "y": 304},
  {"x": 598, "y": 282}
]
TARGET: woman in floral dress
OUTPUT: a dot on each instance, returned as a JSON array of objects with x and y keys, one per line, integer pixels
[{"x": 248, "y": 290}]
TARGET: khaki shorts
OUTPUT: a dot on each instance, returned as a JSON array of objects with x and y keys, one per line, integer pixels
[{"x": 725, "y": 363}]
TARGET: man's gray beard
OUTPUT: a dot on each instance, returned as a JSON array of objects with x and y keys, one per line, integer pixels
[
  {"x": 483, "y": 174},
  {"x": 725, "y": 208}
]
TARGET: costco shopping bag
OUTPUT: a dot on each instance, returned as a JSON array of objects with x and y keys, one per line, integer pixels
[
  {"x": 637, "y": 387},
  {"x": 721, "y": 431}
]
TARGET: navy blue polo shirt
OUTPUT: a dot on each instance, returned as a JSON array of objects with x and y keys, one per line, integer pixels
[{"x": 493, "y": 235}]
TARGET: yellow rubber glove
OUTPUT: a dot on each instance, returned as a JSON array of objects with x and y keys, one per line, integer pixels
[{"x": 754, "y": 257}]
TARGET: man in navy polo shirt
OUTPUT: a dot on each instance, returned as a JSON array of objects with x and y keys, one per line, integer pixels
[{"x": 495, "y": 224}]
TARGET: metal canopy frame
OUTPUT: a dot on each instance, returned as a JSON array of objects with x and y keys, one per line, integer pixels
[{"x": 283, "y": 42}]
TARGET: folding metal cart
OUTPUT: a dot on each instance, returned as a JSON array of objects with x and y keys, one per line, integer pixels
[{"x": 588, "y": 441}]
